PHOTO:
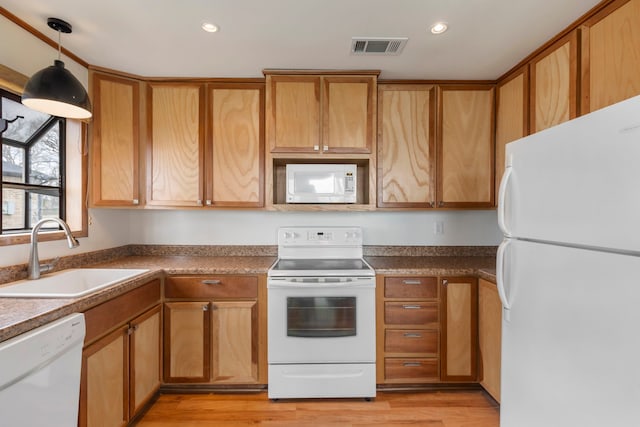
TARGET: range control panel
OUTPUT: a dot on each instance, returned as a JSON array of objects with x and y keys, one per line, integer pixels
[{"x": 338, "y": 236}]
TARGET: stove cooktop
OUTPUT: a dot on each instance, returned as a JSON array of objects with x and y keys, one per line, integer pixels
[{"x": 321, "y": 267}]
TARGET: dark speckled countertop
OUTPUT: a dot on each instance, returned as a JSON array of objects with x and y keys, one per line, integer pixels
[{"x": 18, "y": 315}]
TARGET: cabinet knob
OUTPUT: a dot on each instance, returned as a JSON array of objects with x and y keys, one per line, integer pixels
[
  {"x": 325, "y": 148},
  {"x": 316, "y": 148},
  {"x": 135, "y": 201},
  {"x": 445, "y": 282},
  {"x": 199, "y": 202},
  {"x": 208, "y": 202},
  {"x": 411, "y": 307},
  {"x": 411, "y": 282},
  {"x": 211, "y": 282},
  {"x": 205, "y": 307}
]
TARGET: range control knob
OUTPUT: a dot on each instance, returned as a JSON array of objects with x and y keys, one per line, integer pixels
[
  {"x": 289, "y": 235},
  {"x": 351, "y": 235}
]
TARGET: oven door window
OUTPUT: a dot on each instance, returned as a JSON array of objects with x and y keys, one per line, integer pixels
[{"x": 321, "y": 317}]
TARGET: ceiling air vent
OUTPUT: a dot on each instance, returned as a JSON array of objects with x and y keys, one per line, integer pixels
[{"x": 377, "y": 45}]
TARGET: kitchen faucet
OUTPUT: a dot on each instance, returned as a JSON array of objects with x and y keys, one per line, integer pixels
[{"x": 34, "y": 268}]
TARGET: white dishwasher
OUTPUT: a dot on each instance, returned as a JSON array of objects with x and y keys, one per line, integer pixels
[{"x": 40, "y": 375}]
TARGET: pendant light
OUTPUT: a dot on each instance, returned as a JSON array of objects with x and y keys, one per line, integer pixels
[{"x": 54, "y": 90}]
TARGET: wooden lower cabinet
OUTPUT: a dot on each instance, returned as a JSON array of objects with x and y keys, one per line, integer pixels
[
  {"x": 459, "y": 328},
  {"x": 427, "y": 329},
  {"x": 214, "y": 340},
  {"x": 121, "y": 359},
  {"x": 489, "y": 337},
  {"x": 186, "y": 341},
  {"x": 408, "y": 333},
  {"x": 105, "y": 375},
  {"x": 234, "y": 344},
  {"x": 144, "y": 359}
]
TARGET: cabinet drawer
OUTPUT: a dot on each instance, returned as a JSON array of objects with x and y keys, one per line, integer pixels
[
  {"x": 106, "y": 316},
  {"x": 411, "y": 341},
  {"x": 211, "y": 287},
  {"x": 411, "y": 313},
  {"x": 411, "y": 370},
  {"x": 411, "y": 287}
]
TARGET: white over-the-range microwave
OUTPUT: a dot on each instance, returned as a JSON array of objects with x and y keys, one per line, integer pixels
[{"x": 321, "y": 183}]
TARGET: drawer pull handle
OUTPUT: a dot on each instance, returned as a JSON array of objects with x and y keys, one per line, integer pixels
[
  {"x": 412, "y": 335},
  {"x": 411, "y": 282},
  {"x": 411, "y": 307},
  {"x": 412, "y": 364},
  {"x": 211, "y": 282}
]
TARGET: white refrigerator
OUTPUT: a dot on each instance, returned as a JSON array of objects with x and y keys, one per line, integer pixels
[{"x": 568, "y": 273}]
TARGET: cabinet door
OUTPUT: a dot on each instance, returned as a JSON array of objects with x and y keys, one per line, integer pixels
[
  {"x": 406, "y": 146},
  {"x": 115, "y": 141},
  {"x": 176, "y": 142},
  {"x": 554, "y": 79},
  {"x": 293, "y": 113},
  {"x": 187, "y": 346},
  {"x": 611, "y": 55},
  {"x": 466, "y": 147},
  {"x": 348, "y": 111},
  {"x": 235, "y": 342},
  {"x": 105, "y": 378},
  {"x": 512, "y": 115},
  {"x": 144, "y": 358},
  {"x": 489, "y": 337},
  {"x": 235, "y": 151},
  {"x": 459, "y": 329}
]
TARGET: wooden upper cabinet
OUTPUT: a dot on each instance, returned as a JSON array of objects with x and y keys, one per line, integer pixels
[
  {"x": 554, "y": 81},
  {"x": 115, "y": 141},
  {"x": 611, "y": 55},
  {"x": 465, "y": 146},
  {"x": 293, "y": 113},
  {"x": 176, "y": 142},
  {"x": 406, "y": 145},
  {"x": 348, "y": 108},
  {"x": 235, "y": 146},
  {"x": 512, "y": 115},
  {"x": 320, "y": 114}
]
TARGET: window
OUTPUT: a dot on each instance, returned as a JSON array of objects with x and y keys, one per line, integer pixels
[{"x": 33, "y": 165}]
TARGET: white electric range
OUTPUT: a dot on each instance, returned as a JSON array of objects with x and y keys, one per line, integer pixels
[{"x": 321, "y": 313}]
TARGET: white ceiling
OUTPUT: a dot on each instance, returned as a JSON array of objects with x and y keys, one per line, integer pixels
[{"x": 163, "y": 37}]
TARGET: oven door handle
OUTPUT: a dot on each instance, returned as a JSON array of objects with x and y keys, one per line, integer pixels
[{"x": 359, "y": 282}]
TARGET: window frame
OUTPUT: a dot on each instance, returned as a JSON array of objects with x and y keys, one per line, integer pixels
[
  {"x": 75, "y": 195},
  {"x": 58, "y": 190}
]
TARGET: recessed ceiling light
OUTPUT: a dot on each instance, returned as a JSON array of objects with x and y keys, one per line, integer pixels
[
  {"x": 439, "y": 28},
  {"x": 209, "y": 27}
]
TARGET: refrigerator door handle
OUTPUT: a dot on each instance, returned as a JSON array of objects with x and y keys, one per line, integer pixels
[
  {"x": 500, "y": 265},
  {"x": 502, "y": 198}
]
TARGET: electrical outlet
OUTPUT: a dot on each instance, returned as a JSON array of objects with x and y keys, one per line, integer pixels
[{"x": 438, "y": 227}]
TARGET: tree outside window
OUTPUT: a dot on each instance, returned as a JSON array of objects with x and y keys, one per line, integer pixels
[{"x": 32, "y": 165}]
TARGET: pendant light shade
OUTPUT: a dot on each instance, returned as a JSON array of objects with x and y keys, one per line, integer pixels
[{"x": 54, "y": 90}]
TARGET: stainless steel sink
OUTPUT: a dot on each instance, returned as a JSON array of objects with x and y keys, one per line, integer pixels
[{"x": 71, "y": 283}]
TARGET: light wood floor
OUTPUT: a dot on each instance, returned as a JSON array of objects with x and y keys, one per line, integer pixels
[{"x": 389, "y": 409}]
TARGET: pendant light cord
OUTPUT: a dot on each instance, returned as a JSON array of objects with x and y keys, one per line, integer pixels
[{"x": 59, "y": 45}]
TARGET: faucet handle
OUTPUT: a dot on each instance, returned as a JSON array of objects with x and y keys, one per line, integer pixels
[{"x": 44, "y": 268}]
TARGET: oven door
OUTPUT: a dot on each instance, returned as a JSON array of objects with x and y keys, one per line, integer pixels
[{"x": 321, "y": 321}]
